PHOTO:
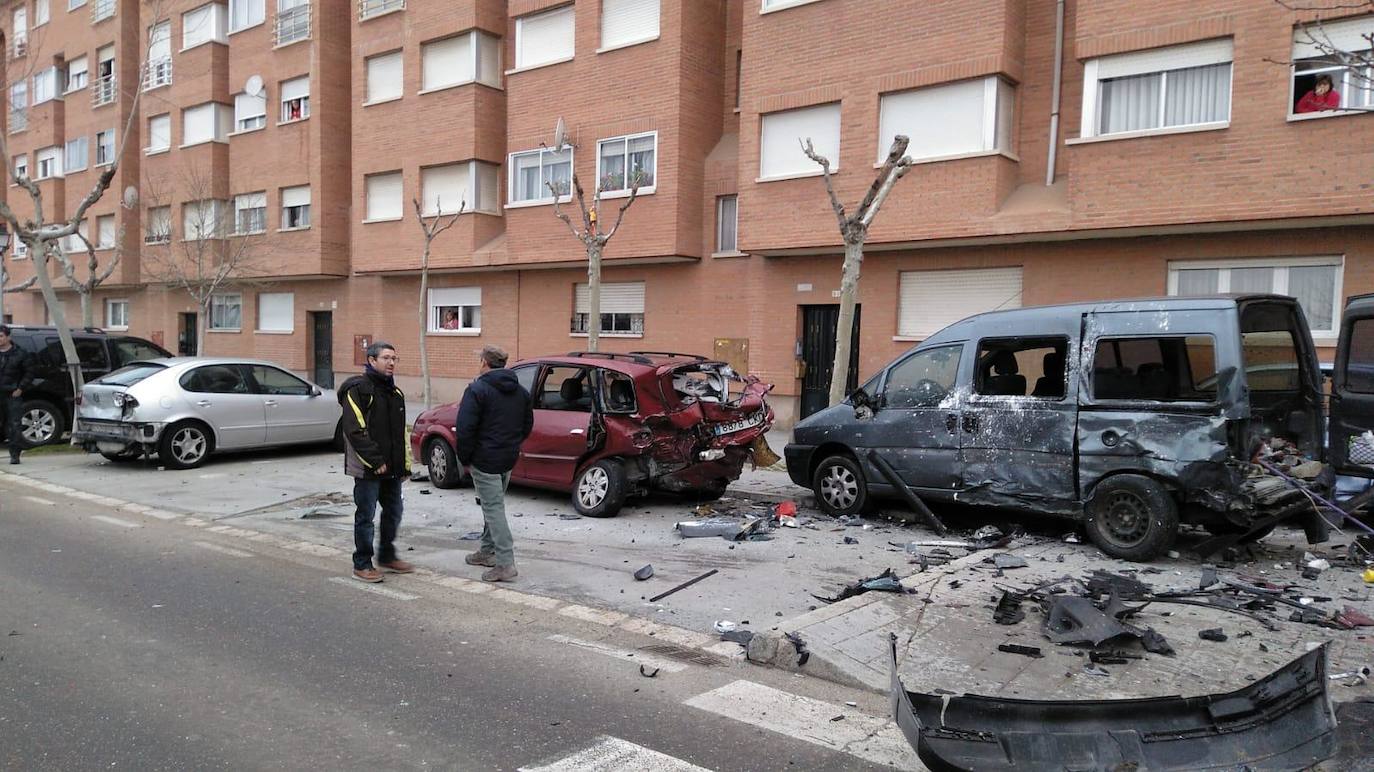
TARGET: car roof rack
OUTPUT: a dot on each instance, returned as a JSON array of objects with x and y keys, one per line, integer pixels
[
  {"x": 671, "y": 354},
  {"x": 636, "y": 357},
  {"x": 53, "y": 328}
]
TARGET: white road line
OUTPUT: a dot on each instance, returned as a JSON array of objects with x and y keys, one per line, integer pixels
[
  {"x": 37, "y": 500},
  {"x": 633, "y": 657},
  {"x": 612, "y": 754},
  {"x": 222, "y": 550},
  {"x": 372, "y": 588},
  {"x": 873, "y": 739},
  {"x": 114, "y": 521}
]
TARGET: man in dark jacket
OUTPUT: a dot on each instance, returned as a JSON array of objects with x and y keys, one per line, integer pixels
[
  {"x": 16, "y": 376},
  {"x": 494, "y": 417},
  {"x": 377, "y": 457}
]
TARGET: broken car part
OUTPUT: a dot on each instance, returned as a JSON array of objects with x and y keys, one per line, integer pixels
[
  {"x": 648, "y": 673},
  {"x": 908, "y": 495},
  {"x": 644, "y": 573},
  {"x": 683, "y": 586},
  {"x": 1008, "y": 611},
  {"x": 1005, "y": 560},
  {"x": 1026, "y": 651},
  {"x": 1212, "y": 634},
  {"x": 887, "y": 581},
  {"x": 1283, "y": 721}
]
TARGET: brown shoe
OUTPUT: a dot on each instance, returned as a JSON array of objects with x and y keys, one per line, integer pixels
[
  {"x": 369, "y": 575},
  {"x": 398, "y": 567},
  {"x": 480, "y": 558},
  {"x": 500, "y": 574}
]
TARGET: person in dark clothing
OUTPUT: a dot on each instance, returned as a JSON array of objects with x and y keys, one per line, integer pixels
[
  {"x": 377, "y": 457},
  {"x": 16, "y": 376},
  {"x": 494, "y": 418}
]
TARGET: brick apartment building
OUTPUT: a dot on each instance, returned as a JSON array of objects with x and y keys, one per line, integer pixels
[{"x": 299, "y": 133}]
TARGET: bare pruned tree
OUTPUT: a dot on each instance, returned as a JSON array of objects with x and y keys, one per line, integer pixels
[
  {"x": 5, "y": 288},
  {"x": 1344, "y": 54},
  {"x": 854, "y": 231},
  {"x": 594, "y": 241},
  {"x": 95, "y": 274},
  {"x": 431, "y": 228}
]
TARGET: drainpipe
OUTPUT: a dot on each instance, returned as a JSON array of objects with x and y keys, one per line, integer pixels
[{"x": 1054, "y": 98}]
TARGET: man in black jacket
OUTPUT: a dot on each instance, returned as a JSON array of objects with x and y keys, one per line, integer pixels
[
  {"x": 16, "y": 376},
  {"x": 377, "y": 457},
  {"x": 494, "y": 417}
]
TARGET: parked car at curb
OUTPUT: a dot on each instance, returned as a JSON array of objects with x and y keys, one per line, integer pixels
[
  {"x": 48, "y": 404},
  {"x": 611, "y": 426},
  {"x": 1131, "y": 416},
  {"x": 183, "y": 409}
]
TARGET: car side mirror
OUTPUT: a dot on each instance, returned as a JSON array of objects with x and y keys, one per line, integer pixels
[
  {"x": 316, "y": 392},
  {"x": 864, "y": 405}
]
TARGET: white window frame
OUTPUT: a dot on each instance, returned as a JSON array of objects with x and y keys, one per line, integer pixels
[
  {"x": 720, "y": 222},
  {"x": 400, "y": 86},
  {"x": 72, "y": 71},
  {"x": 811, "y": 169},
  {"x": 521, "y": 66},
  {"x": 222, "y": 119},
  {"x": 100, "y": 242},
  {"x": 150, "y": 235},
  {"x": 399, "y": 208},
  {"x": 974, "y": 277},
  {"x": 485, "y": 73},
  {"x": 512, "y": 203},
  {"x": 1207, "y": 52},
  {"x": 267, "y": 298},
  {"x": 218, "y": 303},
  {"x": 261, "y": 6},
  {"x": 83, "y": 158},
  {"x": 1342, "y": 35},
  {"x": 114, "y": 148},
  {"x": 110, "y": 321},
  {"x": 998, "y": 103},
  {"x": 453, "y": 297},
  {"x": 284, "y": 101},
  {"x": 237, "y": 209},
  {"x": 72, "y": 5},
  {"x": 475, "y": 194},
  {"x": 649, "y": 38},
  {"x": 56, "y": 162},
  {"x": 1280, "y": 266},
  {"x": 216, "y": 217},
  {"x": 306, "y": 206},
  {"x": 773, "y": 6},
  {"x": 624, "y": 190},
  {"x": 42, "y": 12},
  {"x": 21, "y": 169},
  {"x": 155, "y": 149},
  {"x": 219, "y": 25},
  {"x": 643, "y": 304},
  {"x": 45, "y": 86},
  {"x": 254, "y": 121}
]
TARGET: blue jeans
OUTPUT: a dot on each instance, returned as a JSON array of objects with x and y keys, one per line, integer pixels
[
  {"x": 496, "y": 535},
  {"x": 12, "y": 409},
  {"x": 366, "y": 494}
]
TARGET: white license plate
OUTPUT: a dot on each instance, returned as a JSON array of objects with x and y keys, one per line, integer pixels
[{"x": 740, "y": 425}]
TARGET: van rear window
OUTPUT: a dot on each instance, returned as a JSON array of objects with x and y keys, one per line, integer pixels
[{"x": 1159, "y": 369}]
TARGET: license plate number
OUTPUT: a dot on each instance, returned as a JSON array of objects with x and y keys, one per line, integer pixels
[{"x": 739, "y": 426}]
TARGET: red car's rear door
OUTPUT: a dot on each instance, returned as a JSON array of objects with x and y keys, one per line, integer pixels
[{"x": 562, "y": 415}]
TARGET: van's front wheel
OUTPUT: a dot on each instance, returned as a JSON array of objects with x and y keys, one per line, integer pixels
[
  {"x": 1132, "y": 517},
  {"x": 839, "y": 486}
]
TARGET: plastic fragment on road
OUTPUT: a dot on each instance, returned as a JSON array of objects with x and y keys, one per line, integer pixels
[
  {"x": 724, "y": 626},
  {"x": 1007, "y": 560},
  {"x": 1025, "y": 651},
  {"x": 645, "y": 572},
  {"x": 1212, "y": 634},
  {"x": 648, "y": 673},
  {"x": 887, "y": 581}
]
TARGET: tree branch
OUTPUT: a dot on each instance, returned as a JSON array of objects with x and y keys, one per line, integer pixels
[
  {"x": 558, "y": 212},
  {"x": 824, "y": 162},
  {"x": 620, "y": 215},
  {"x": 896, "y": 166},
  {"x": 20, "y": 287}
]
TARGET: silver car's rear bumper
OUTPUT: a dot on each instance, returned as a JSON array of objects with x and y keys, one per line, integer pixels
[{"x": 90, "y": 430}]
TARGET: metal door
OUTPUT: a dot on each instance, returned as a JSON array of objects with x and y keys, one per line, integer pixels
[
  {"x": 1352, "y": 391},
  {"x": 819, "y": 325},
  {"x": 916, "y": 425},
  {"x": 322, "y": 348},
  {"x": 186, "y": 336}
]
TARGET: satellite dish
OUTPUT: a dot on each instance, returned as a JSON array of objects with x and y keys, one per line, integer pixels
[
  {"x": 560, "y": 135},
  {"x": 130, "y": 197},
  {"x": 253, "y": 87}
]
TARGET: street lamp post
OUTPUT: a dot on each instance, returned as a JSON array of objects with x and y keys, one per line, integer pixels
[{"x": 4, "y": 247}]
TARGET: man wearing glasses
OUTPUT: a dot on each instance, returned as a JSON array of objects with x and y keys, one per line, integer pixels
[{"x": 377, "y": 457}]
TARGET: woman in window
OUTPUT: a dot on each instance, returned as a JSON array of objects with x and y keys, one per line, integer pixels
[
  {"x": 451, "y": 321},
  {"x": 1321, "y": 97}
]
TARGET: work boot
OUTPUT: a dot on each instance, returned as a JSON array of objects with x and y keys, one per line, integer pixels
[
  {"x": 14, "y": 459},
  {"x": 398, "y": 567},
  {"x": 369, "y": 575},
  {"x": 480, "y": 558},
  {"x": 500, "y": 574}
]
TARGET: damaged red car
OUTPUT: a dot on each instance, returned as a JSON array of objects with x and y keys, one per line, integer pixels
[{"x": 611, "y": 426}]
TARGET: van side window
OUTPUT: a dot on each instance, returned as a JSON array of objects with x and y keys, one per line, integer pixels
[
  {"x": 1022, "y": 367},
  {"x": 1163, "y": 369},
  {"x": 1269, "y": 348},
  {"x": 922, "y": 379},
  {"x": 1359, "y": 365}
]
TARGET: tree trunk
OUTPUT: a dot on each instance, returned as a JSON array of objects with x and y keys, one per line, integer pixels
[
  {"x": 87, "y": 312},
  {"x": 424, "y": 328},
  {"x": 59, "y": 314},
  {"x": 202, "y": 322},
  {"x": 844, "y": 330},
  {"x": 593, "y": 297}
]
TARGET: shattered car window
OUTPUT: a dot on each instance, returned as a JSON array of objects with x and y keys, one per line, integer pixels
[
  {"x": 565, "y": 388},
  {"x": 1163, "y": 369},
  {"x": 1022, "y": 367},
  {"x": 922, "y": 379},
  {"x": 705, "y": 383},
  {"x": 525, "y": 377},
  {"x": 1269, "y": 348},
  {"x": 618, "y": 392}
]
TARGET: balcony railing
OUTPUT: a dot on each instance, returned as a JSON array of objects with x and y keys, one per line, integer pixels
[
  {"x": 19, "y": 48},
  {"x": 369, "y": 8},
  {"x": 159, "y": 74},
  {"x": 19, "y": 119},
  {"x": 157, "y": 238},
  {"x": 293, "y": 24},
  {"x": 104, "y": 92},
  {"x": 102, "y": 10}
]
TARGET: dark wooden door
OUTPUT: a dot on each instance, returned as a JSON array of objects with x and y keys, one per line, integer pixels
[
  {"x": 186, "y": 336},
  {"x": 819, "y": 324},
  {"x": 322, "y": 342}
]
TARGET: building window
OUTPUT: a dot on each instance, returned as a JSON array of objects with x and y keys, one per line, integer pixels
[
  {"x": 159, "y": 133},
  {"x": 1163, "y": 88},
  {"x": 929, "y": 301},
  {"x": 105, "y": 233},
  {"x": 293, "y": 21},
  {"x": 384, "y": 196},
  {"x": 226, "y": 312},
  {"x": 1317, "y": 56},
  {"x": 105, "y": 147},
  {"x": 19, "y": 106},
  {"x": 77, "y": 155},
  {"x": 209, "y": 122},
  {"x": 627, "y": 22},
  {"x": 369, "y": 8},
  {"x": 964, "y": 118},
  {"x": 250, "y": 112},
  {"x": 385, "y": 77},
  {"x": 202, "y": 220},
  {"x": 622, "y": 309},
  {"x": 246, "y": 13},
  {"x": 20, "y": 30},
  {"x": 250, "y": 213},
  {"x": 780, "y": 151},
  {"x": 471, "y": 185},
  {"x": 295, "y": 208},
  {"x": 117, "y": 314},
  {"x": 40, "y": 12},
  {"x": 635, "y": 153},
  {"x": 205, "y": 24},
  {"x": 49, "y": 161},
  {"x": 45, "y": 85},
  {"x": 72, "y": 5},
  {"x": 76, "y": 74},
  {"x": 75, "y": 244},
  {"x": 159, "y": 225},
  {"x": 295, "y": 99},
  {"x": 544, "y": 38},
  {"x": 470, "y": 57},
  {"x": 533, "y": 171},
  {"x": 1315, "y": 282},
  {"x": 276, "y": 312},
  {"x": 455, "y": 309},
  {"x": 159, "y": 56},
  {"x": 105, "y": 79},
  {"x": 21, "y": 166},
  {"x": 103, "y": 10},
  {"x": 727, "y": 224}
]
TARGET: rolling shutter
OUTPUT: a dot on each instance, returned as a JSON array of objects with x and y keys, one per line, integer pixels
[
  {"x": 545, "y": 37},
  {"x": 446, "y": 62},
  {"x": 628, "y": 21},
  {"x": 446, "y": 187},
  {"x": 198, "y": 124},
  {"x": 928, "y": 301},
  {"x": 618, "y": 298},
  {"x": 384, "y": 76},
  {"x": 455, "y": 296},
  {"x": 276, "y": 311},
  {"x": 298, "y": 196},
  {"x": 780, "y": 149},
  {"x": 941, "y": 120},
  {"x": 384, "y": 195},
  {"x": 1162, "y": 59},
  {"x": 1344, "y": 35}
]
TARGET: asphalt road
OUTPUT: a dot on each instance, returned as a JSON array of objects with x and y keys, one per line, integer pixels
[{"x": 128, "y": 642}]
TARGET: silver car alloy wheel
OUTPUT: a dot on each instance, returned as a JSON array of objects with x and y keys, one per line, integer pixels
[
  {"x": 839, "y": 487},
  {"x": 591, "y": 490},
  {"x": 37, "y": 426},
  {"x": 438, "y": 463},
  {"x": 189, "y": 445}
]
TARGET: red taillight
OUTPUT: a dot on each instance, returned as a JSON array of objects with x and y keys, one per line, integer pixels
[{"x": 79, "y": 398}]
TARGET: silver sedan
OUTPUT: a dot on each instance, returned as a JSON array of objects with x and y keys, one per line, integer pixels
[{"x": 182, "y": 409}]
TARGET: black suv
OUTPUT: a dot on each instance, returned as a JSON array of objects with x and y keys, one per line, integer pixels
[{"x": 48, "y": 403}]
